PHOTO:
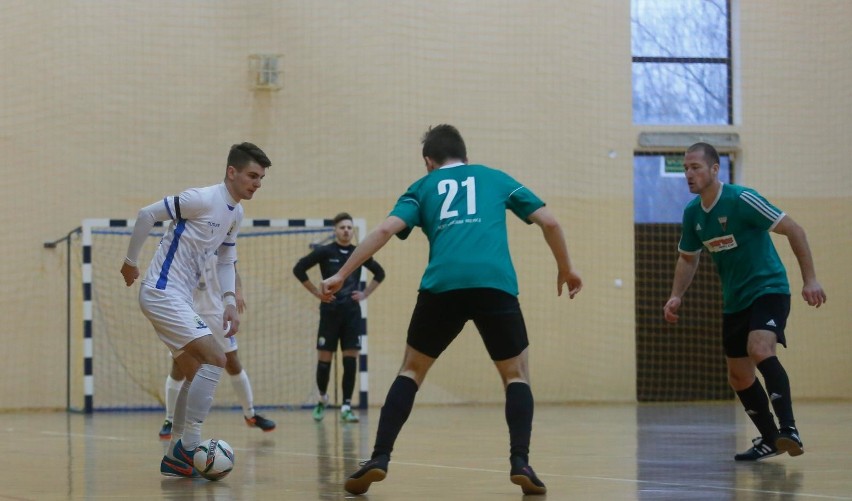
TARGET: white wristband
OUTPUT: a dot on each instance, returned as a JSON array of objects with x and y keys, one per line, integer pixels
[{"x": 230, "y": 299}]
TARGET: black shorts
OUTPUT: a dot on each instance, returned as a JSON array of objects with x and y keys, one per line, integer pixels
[
  {"x": 767, "y": 313},
  {"x": 339, "y": 323},
  {"x": 438, "y": 319}
]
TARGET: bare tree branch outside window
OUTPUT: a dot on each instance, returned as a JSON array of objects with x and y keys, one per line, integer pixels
[{"x": 681, "y": 61}]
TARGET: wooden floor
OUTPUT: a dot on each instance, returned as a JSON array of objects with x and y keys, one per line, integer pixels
[{"x": 582, "y": 452}]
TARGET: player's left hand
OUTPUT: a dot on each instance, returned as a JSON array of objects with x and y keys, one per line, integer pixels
[
  {"x": 230, "y": 320},
  {"x": 572, "y": 280},
  {"x": 814, "y": 295},
  {"x": 358, "y": 296}
]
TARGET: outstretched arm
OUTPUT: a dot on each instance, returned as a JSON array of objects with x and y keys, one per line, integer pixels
[
  {"x": 555, "y": 239},
  {"x": 364, "y": 251},
  {"x": 811, "y": 290},
  {"x": 684, "y": 273}
]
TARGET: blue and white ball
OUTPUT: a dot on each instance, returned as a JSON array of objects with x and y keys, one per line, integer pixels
[{"x": 214, "y": 459}]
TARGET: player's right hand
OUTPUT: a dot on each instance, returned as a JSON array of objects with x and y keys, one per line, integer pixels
[
  {"x": 130, "y": 273},
  {"x": 329, "y": 286},
  {"x": 670, "y": 310}
]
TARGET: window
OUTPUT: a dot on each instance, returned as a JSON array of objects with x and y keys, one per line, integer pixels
[
  {"x": 681, "y": 62},
  {"x": 660, "y": 191}
]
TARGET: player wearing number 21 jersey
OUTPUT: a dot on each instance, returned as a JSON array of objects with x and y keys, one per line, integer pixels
[
  {"x": 466, "y": 227},
  {"x": 470, "y": 276}
]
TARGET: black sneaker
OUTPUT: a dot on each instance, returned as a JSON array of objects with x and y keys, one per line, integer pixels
[
  {"x": 788, "y": 441},
  {"x": 759, "y": 451},
  {"x": 374, "y": 470},
  {"x": 166, "y": 430},
  {"x": 522, "y": 474},
  {"x": 258, "y": 421}
]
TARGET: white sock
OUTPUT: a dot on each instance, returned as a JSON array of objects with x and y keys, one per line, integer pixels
[
  {"x": 172, "y": 390},
  {"x": 199, "y": 399},
  {"x": 242, "y": 386},
  {"x": 180, "y": 417}
]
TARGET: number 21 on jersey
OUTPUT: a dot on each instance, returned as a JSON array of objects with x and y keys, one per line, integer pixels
[{"x": 450, "y": 188}]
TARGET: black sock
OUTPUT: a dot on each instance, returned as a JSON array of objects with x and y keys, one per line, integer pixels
[
  {"x": 348, "y": 383},
  {"x": 323, "y": 373},
  {"x": 395, "y": 412},
  {"x": 519, "y": 415},
  {"x": 778, "y": 385},
  {"x": 756, "y": 404}
]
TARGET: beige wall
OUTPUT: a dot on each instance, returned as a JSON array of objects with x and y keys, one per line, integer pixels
[{"x": 108, "y": 106}]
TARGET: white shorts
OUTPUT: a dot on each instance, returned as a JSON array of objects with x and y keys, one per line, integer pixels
[
  {"x": 214, "y": 321},
  {"x": 173, "y": 318}
]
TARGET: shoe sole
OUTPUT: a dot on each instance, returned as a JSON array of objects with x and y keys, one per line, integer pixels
[
  {"x": 361, "y": 484},
  {"x": 789, "y": 446},
  {"x": 258, "y": 427},
  {"x": 172, "y": 472},
  {"x": 166, "y": 437},
  {"x": 527, "y": 485},
  {"x": 761, "y": 458}
]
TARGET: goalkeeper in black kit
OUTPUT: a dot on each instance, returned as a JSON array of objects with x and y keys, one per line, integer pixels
[{"x": 340, "y": 319}]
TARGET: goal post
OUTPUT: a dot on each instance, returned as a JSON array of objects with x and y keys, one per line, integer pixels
[{"x": 124, "y": 362}]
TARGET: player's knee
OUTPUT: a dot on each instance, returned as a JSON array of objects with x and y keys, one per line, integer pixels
[{"x": 740, "y": 381}]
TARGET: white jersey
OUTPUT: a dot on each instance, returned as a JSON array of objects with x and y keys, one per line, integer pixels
[
  {"x": 207, "y": 299},
  {"x": 204, "y": 221}
]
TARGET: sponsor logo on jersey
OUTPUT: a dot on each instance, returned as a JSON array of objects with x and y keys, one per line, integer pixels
[
  {"x": 724, "y": 222},
  {"x": 771, "y": 323},
  {"x": 719, "y": 244},
  {"x": 698, "y": 227},
  {"x": 233, "y": 223}
]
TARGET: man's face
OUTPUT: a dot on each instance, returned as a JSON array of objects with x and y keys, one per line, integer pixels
[
  {"x": 699, "y": 175},
  {"x": 343, "y": 232},
  {"x": 245, "y": 182}
]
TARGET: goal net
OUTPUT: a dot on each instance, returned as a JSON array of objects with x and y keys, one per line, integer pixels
[{"x": 125, "y": 364}]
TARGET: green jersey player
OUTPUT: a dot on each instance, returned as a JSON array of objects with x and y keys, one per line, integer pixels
[
  {"x": 733, "y": 224},
  {"x": 462, "y": 210}
]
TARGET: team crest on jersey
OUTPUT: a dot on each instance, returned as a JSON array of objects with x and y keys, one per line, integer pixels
[
  {"x": 724, "y": 222},
  {"x": 199, "y": 324},
  {"x": 719, "y": 244}
]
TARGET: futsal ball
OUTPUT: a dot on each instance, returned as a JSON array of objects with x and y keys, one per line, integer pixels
[{"x": 214, "y": 459}]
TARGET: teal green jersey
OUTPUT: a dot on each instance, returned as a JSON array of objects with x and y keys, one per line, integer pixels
[
  {"x": 735, "y": 230},
  {"x": 462, "y": 211}
]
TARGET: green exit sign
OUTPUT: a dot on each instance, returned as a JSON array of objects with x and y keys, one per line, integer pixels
[{"x": 673, "y": 164}]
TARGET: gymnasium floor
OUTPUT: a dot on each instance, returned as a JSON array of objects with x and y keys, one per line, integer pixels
[{"x": 673, "y": 452}]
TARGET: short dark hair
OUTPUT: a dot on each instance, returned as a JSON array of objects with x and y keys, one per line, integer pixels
[
  {"x": 710, "y": 153},
  {"x": 244, "y": 153},
  {"x": 343, "y": 216},
  {"x": 443, "y": 142}
]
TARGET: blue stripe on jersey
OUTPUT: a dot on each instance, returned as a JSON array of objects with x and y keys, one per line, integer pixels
[
  {"x": 229, "y": 244},
  {"x": 166, "y": 203},
  {"x": 170, "y": 255}
]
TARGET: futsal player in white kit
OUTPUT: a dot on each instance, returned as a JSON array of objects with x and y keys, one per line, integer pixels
[{"x": 203, "y": 221}]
